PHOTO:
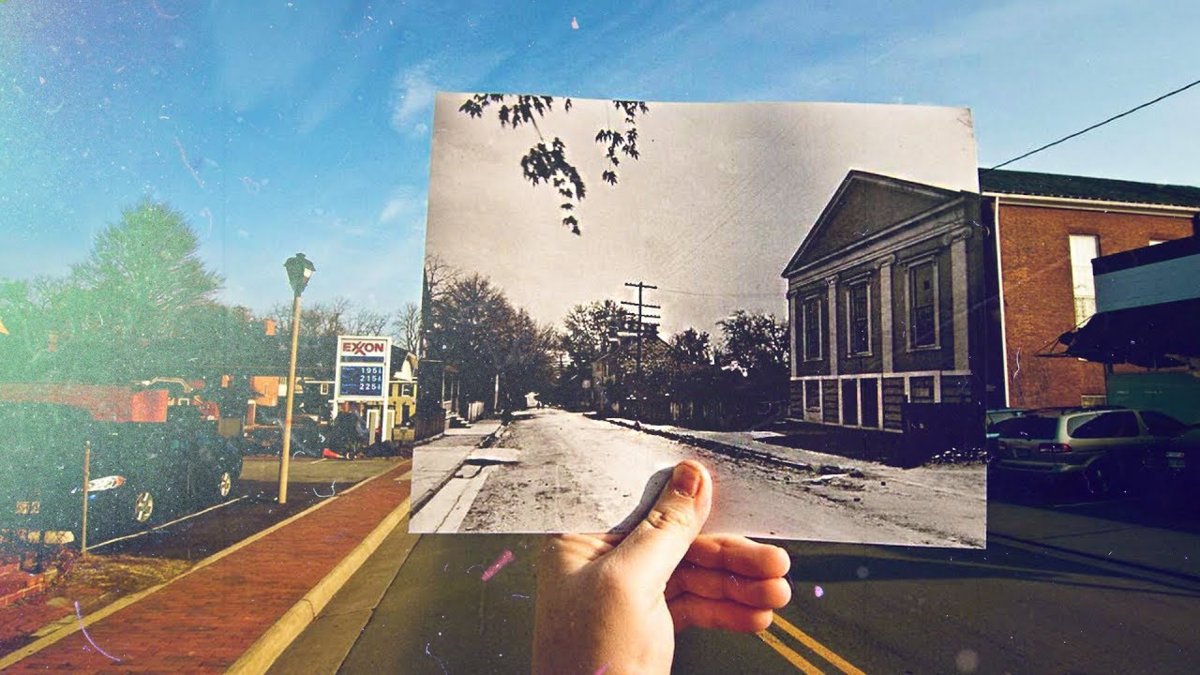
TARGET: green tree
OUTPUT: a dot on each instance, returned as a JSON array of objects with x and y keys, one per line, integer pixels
[
  {"x": 119, "y": 314},
  {"x": 143, "y": 275},
  {"x": 549, "y": 164}
]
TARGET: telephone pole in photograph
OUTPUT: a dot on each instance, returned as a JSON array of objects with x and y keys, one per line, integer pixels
[{"x": 642, "y": 316}]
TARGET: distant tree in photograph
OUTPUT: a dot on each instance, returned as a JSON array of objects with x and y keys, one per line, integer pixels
[
  {"x": 754, "y": 344},
  {"x": 472, "y": 325},
  {"x": 692, "y": 346},
  {"x": 548, "y": 163}
]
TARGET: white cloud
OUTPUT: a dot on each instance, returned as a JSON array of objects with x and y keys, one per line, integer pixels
[
  {"x": 411, "y": 98},
  {"x": 404, "y": 204}
]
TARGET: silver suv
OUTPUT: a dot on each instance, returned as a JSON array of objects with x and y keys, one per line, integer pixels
[{"x": 1106, "y": 446}]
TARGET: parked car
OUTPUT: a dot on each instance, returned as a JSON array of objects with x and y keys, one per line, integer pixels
[
  {"x": 992, "y": 418},
  {"x": 309, "y": 438},
  {"x": 140, "y": 474},
  {"x": 1173, "y": 472},
  {"x": 1108, "y": 447}
]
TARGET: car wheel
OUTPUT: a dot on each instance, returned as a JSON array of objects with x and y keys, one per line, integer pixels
[
  {"x": 1097, "y": 480},
  {"x": 143, "y": 507},
  {"x": 224, "y": 485}
]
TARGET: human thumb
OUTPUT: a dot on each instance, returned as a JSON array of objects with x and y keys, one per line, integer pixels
[{"x": 661, "y": 539}]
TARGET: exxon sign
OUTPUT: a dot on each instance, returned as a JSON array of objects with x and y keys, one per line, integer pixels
[{"x": 364, "y": 347}]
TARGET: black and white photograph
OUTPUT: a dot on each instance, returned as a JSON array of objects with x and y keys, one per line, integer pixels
[{"x": 791, "y": 293}]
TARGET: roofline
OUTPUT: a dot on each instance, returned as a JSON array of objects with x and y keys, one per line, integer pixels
[
  {"x": 1094, "y": 204},
  {"x": 852, "y": 174}
]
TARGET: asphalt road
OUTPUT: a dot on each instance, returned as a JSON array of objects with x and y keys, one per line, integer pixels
[{"x": 1012, "y": 608}]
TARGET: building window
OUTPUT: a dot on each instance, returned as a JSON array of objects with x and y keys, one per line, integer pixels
[
  {"x": 324, "y": 388},
  {"x": 858, "y": 319},
  {"x": 1084, "y": 247},
  {"x": 922, "y": 305},
  {"x": 811, "y": 319}
]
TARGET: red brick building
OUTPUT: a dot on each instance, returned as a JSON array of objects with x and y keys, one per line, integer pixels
[{"x": 1046, "y": 230}]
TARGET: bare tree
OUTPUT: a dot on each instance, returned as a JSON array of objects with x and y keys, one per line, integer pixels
[{"x": 407, "y": 326}]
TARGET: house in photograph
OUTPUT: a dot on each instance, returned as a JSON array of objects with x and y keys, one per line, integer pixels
[
  {"x": 615, "y": 386},
  {"x": 886, "y": 302},
  {"x": 1047, "y": 229},
  {"x": 1147, "y": 315}
]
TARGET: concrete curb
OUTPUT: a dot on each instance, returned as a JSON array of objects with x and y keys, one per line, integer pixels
[
  {"x": 728, "y": 449},
  {"x": 486, "y": 441},
  {"x": 70, "y": 624},
  {"x": 271, "y": 644}
]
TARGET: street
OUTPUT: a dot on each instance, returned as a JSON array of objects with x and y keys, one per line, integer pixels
[
  {"x": 556, "y": 471},
  {"x": 1013, "y": 608}
]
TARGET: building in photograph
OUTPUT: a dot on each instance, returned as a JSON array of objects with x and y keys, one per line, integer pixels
[
  {"x": 1047, "y": 229},
  {"x": 886, "y": 302}
]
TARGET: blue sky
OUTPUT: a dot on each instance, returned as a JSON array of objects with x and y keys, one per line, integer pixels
[{"x": 287, "y": 126}]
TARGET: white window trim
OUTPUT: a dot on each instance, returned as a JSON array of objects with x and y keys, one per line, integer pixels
[
  {"x": 908, "y": 305},
  {"x": 1076, "y": 281},
  {"x": 804, "y": 328}
]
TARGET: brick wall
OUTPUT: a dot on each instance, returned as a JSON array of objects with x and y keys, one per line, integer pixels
[{"x": 1038, "y": 296}]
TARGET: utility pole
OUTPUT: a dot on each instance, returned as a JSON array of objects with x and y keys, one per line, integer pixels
[{"x": 642, "y": 306}]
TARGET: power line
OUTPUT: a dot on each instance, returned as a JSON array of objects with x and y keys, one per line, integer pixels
[{"x": 1097, "y": 125}]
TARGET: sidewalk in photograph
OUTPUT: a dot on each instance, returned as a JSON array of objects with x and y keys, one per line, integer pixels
[
  {"x": 239, "y": 608},
  {"x": 750, "y": 444},
  {"x": 436, "y": 462}
]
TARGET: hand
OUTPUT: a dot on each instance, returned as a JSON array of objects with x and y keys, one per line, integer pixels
[{"x": 612, "y": 604}]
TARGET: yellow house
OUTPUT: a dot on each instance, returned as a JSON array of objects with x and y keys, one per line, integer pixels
[{"x": 402, "y": 397}]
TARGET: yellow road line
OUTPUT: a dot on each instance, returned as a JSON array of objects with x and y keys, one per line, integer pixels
[
  {"x": 789, "y": 655},
  {"x": 824, "y": 652}
]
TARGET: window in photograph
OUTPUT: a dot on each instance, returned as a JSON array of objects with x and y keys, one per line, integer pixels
[
  {"x": 923, "y": 305},
  {"x": 811, "y": 318},
  {"x": 1084, "y": 247},
  {"x": 859, "y": 319}
]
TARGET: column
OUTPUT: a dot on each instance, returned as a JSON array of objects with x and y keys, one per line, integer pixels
[
  {"x": 887, "y": 340},
  {"x": 832, "y": 322}
]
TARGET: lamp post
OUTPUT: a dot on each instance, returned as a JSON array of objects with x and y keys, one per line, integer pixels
[{"x": 299, "y": 269}]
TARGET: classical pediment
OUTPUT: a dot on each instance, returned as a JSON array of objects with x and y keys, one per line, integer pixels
[{"x": 865, "y": 205}]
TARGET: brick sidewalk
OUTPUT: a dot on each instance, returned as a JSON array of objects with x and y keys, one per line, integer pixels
[{"x": 205, "y": 620}]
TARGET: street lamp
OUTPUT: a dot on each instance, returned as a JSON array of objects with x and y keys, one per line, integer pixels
[{"x": 299, "y": 270}]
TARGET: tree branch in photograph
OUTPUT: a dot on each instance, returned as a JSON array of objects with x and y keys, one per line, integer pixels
[{"x": 547, "y": 162}]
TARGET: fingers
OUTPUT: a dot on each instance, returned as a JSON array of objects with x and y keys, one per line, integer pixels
[
  {"x": 716, "y": 585},
  {"x": 692, "y": 610},
  {"x": 739, "y": 555},
  {"x": 659, "y": 542}
]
